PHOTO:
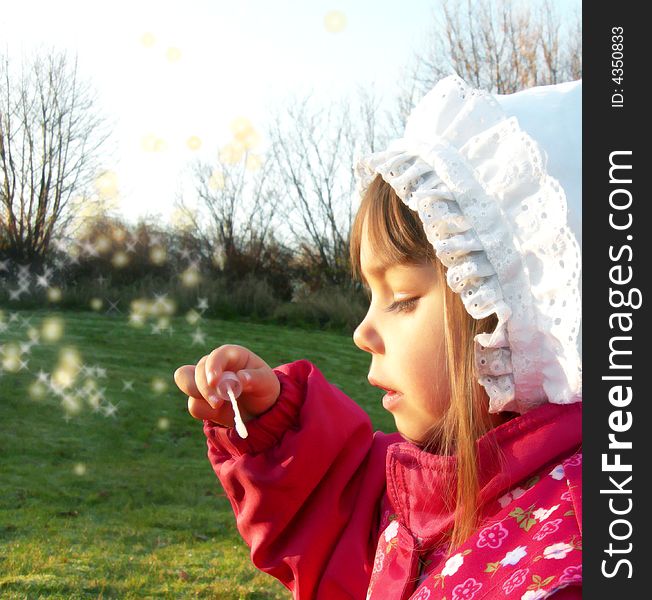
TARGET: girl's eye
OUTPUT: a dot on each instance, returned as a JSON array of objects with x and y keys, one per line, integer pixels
[{"x": 402, "y": 305}]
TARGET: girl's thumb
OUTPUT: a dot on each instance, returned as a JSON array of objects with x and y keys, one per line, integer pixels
[{"x": 245, "y": 379}]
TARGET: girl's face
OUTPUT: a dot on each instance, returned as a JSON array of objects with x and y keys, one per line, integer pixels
[{"x": 404, "y": 333}]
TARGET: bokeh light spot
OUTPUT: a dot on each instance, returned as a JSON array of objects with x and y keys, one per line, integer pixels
[
  {"x": 106, "y": 185},
  {"x": 148, "y": 39},
  {"x": 251, "y": 140},
  {"x": 37, "y": 390},
  {"x": 335, "y": 21},
  {"x": 63, "y": 378},
  {"x": 159, "y": 385},
  {"x": 120, "y": 259},
  {"x": 245, "y": 136},
  {"x": 96, "y": 303},
  {"x": 148, "y": 142},
  {"x": 158, "y": 255},
  {"x": 52, "y": 329},
  {"x": 182, "y": 219},
  {"x": 11, "y": 357},
  {"x": 102, "y": 244},
  {"x": 163, "y": 423},
  {"x": 192, "y": 316},
  {"x": 193, "y": 142},
  {"x": 80, "y": 469},
  {"x": 232, "y": 152},
  {"x": 136, "y": 319},
  {"x": 241, "y": 128},
  {"x": 67, "y": 369},
  {"x": 70, "y": 404},
  {"x": 70, "y": 357},
  {"x": 118, "y": 234},
  {"x": 254, "y": 162},
  {"x": 173, "y": 54},
  {"x": 160, "y": 145},
  {"x": 163, "y": 307},
  {"x": 153, "y": 143},
  {"x": 54, "y": 294},
  {"x": 190, "y": 277}
]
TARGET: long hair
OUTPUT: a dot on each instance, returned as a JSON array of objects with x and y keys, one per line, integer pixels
[{"x": 396, "y": 235}]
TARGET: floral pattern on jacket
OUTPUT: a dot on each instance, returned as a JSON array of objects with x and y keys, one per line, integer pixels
[{"x": 528, "y": 550}]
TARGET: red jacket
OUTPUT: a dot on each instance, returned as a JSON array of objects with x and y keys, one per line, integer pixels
[{"x": 329, "y": 507}]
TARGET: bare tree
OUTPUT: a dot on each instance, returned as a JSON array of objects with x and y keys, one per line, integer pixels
[
  {"x": 313, "y": 148},
  {"x": 572, "y": 49},
  {"x": 501, "y": 46},
  {"x": 50, "y": 135},
  {"x": 235, "y": 215},
  {"x": 408, "y": 91}
]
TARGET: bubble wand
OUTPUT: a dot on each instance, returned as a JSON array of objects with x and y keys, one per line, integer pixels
[{"x": 230, "y": 388}]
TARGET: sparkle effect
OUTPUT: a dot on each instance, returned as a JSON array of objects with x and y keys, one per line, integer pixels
[{"x": 71, "y": 381}]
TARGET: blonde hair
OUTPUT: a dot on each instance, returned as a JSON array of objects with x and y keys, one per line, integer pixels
[{"x": 396, "y": 235}]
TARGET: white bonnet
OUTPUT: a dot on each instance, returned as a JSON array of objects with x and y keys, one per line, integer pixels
[{"x": 496, "y": 181}]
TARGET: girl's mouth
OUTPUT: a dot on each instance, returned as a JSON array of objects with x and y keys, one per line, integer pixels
[{"x": 391, "y": 399}]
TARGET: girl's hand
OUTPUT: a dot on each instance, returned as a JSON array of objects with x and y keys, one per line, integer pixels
[{"x": 260, "y": 386}]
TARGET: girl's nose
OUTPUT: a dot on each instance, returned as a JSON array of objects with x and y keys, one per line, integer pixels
[{"x": 367, "y": 338}]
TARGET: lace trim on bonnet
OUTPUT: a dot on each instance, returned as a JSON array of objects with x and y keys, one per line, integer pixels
[{"x": 497, "y": 221}]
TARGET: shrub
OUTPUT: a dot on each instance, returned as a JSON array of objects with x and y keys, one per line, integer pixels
[{"x": 335, "y": 307}]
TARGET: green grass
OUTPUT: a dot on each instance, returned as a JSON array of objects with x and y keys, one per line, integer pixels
[{"x": 122, "y": 506}]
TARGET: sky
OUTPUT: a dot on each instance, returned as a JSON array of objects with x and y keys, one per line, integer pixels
[{"x": 174, "y": 79}]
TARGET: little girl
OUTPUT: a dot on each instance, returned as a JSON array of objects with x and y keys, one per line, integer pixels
[{"x": 468, "y": 240}]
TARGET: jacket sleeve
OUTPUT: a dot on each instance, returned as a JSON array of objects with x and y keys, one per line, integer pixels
[{"x": 306, "y": 485}]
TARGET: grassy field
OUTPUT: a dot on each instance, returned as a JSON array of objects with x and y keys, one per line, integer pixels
[{"x": 124, "y": 504}]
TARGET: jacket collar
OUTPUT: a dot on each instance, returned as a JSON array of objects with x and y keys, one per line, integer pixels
[{"x": 421, "y": 486}]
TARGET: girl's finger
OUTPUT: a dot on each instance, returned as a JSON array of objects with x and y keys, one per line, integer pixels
[
  {"x": 184, "y": 377},
  {"x": 225, "y": 358},
  {"x": 200, "y": 409},
  {"x": 206, "y": 391}
]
